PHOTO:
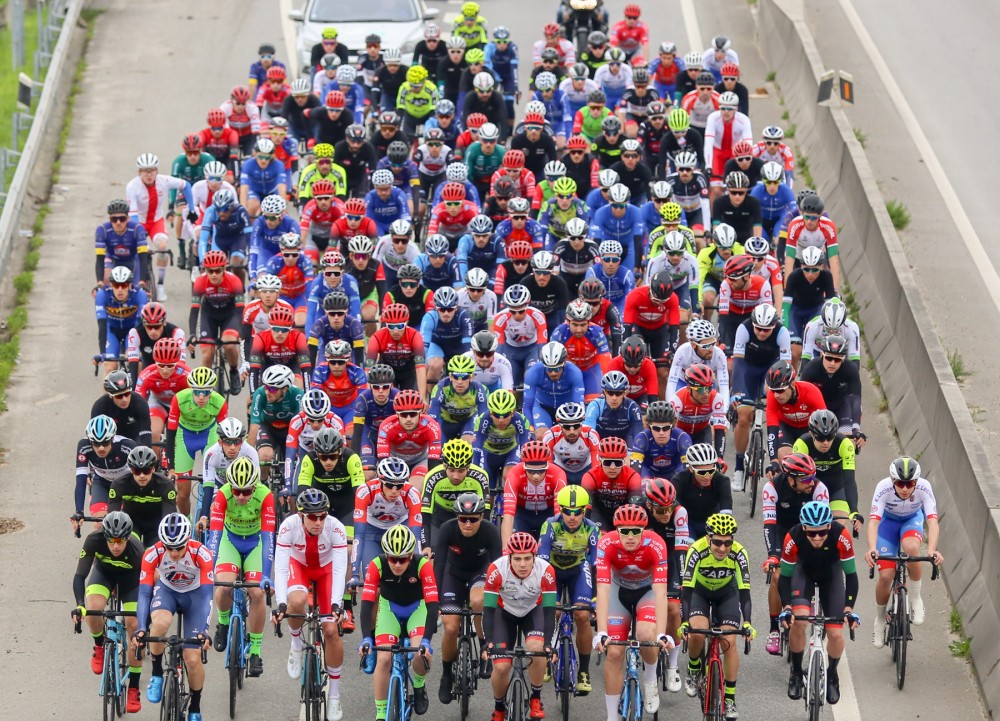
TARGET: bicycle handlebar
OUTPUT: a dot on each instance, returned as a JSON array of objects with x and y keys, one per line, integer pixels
[
  {"x": 247, "y": 584},
  {"x": 456, "y": 611},
  {"x": 84, "y": 519},
  {"x": 178, "y": 641},
  {"x": 825, "y": 620},
  {"x": 715, "y": 632},
  {"x": 904, "y": 558}
]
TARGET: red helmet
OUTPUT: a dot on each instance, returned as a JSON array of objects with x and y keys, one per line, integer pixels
[
  {"x": 551, "y": 30},
  {"x": 265, "y": 128},
  {"x": 396, "y": 313},
  {"x": 632, "y": 11},
  {"x": 701, "y": 375},
  {"x": 354, "y": 206},
  {"x": 154, "y": 314},
  {"x": 332, "y": 259},
  {"x": 534, "y": 119},
  {"x": 167, "y": 350},
  {"x": 521, "y": 542},
  {"x": 660, "y": 492},
  {"x": 513, "y": 159},
  {"x": 335, "y": 99},
  {"x": 240, "y": 94},
  {"x": 612, "y": 447},
  {"x": 577, "y": 142},
  {"x": 191, "y": 143},
  {"x": 742, "y": 148},
  {"x": 520, "y": 250},
  {"x": 738, "y": 266},
  {"x": 729, "y": 70},
  {"x": 535, "y": 452},
  {"x": 281, "y": 316},
  {"x": 275, "y": 72},
  {"x": 214, "y": 259},
  {"x": 476, "y": 121},
  {"x": 408, "y": 400},
  {"x": 630, "y": 515},
  {"x": 322, "y": 188},
  {"x": 453, "y": 191},
  {"x": 798, "y": 464},
  {"x": 216, "y": 118}
]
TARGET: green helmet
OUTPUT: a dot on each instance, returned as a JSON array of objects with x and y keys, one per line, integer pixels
[
  {"x": 457, "y": 453},
  {"x": 243, "y": 473},
  {"x": 565, "y": 186},
  {"x": 501, "y": 402},
  {"x": 202, "y": 378},
  {"x": 678, "y": 120},
  {"x": 721, "y": 524},
  {"x": 475, "y": 56},
  {"x": 398, "y": 541},
  {"x": 573, "y": 498},
  {"x": 461, "y": 364},
  {"x": 670, "y": 212}
]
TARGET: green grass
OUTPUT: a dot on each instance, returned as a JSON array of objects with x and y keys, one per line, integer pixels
[
  {"x": 790, "y": 131},
  {"x": 898, "y": 213},
  {"x": 771, "y": 76},
  {"x": 8, "y": 80},
  {"x": 957, "y": 364},
  {"x": 862, "y": 138},
  {"x": 803, "y": 169}
]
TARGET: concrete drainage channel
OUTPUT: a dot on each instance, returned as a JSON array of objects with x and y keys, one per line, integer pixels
[{"x": 916, "y": 377}]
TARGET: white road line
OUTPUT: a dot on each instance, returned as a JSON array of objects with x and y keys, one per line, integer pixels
[
  {"x": 691, "y": 25},
  {"x": 288, "y": 31},
  {"x": 847, "y": 709},
  {"x": 963, "y": 225}
]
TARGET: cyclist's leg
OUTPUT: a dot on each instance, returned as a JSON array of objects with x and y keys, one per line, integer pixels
[
  {"x": 582, "y": 594},
  {"x": 227, "y": 567},
  {"x": 619, "y": 622},
  {"x": 387, "y": 631},
  {"x": 194, "y": 609},
  {"x": 252, "y": 551}
]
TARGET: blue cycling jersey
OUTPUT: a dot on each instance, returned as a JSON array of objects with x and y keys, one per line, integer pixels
[
  {"x": 627, "y": 230},
  {"x": 404, "y": 176},
  {"x": 625, "y": 421},
  {"x": 539, "y": 388},
  {"x": 595, "y": 201},
  {"x": 384, "y": 212},
  {"x": 121, "y": 315},
  {"x": 661, "y": 461},
  {"x": 650, "y": 217},
  {"x": 226, "y": 235},
  {"x": 448, "y": 336},
  {"x": 773, "y": 207},
  {"x": 370, "y": 415},
  {"x": 264, "y": 241},
  {"x": 318, "y": 290},
  {"x": 354, "y": 97},
  {"x": 469, "y": 255},
  {"x": 259, "y": 73},
  {"x": 471, "y": 193},
  {"x": 503, "y": 63},
  {"x": 121, "y": 249},
  {"x": 450, "y": 133},
  {"x": 263, "y": 181},
  {"x": 352, "y": 331},
  {"x": 618, "y": 286},
  {"x": 555, "y": 111},
  {"x": 446, "y": 274},
  {"x": 490, "y": 439}
]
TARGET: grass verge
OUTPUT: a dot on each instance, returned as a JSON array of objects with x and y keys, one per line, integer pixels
[
  {"x": 898, "y": 213},
  {"x": 961, "y": 647},
  {"x": 8, "y": 80}
]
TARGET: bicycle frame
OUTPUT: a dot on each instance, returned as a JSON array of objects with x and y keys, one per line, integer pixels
[
  {"x": 313, "y": 679},
  {"x": 814, "y": 669},
  {"x": 467, "y": 677},
  {"x": 712, "y": 680},
  {"x": 175, "y": 694},
  {"x": 567, "y": 665},
  {"x": 518, "y": 696},
  {"x": 114, "y": 676},
  {"x": 238, "y": 645},
  {"x": 631, "y": 701},
  {"x": 756, "y": 452}
]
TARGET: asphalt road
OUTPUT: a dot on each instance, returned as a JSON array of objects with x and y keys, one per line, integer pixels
[{"x": 153, "y": 69}]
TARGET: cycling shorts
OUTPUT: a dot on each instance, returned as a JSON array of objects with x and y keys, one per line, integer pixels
[
  {"x": 115, "y": 343},
  {"x": 752, "y": 382},
  {"x": 578, "y": 583},
  {"x": 369, "y": 546},
  {"x": 542, "y": 415},
  {"x": 270, "y": 437},
  {"x": 592, "y": 382},
  {"x": 507, "y": 627},
  {"x": 620, "y": 603},
  {"x": 657, "y": 341},
  {"x": 455, "y": 589},
  {"x": 832, "y": 594},
  {"x": 297, "y": 302},
  {"x": 100, "y": 489},
  {"x": 188, "y": 444},
  {"x": 798, "y": 318},
  {"x": 193, "y": 606},
  {"x": 301, "y": 577},
  {"x": 101, "y": 583},
  {"x": 721, "y": 607},
  {"x": 233, "y": 248},
  {"x": 521, "y": 359},
  {"x": 892, "y": 530},
  {"x": 216, "y": 326},
  {"x": 392, "y": 617},
  {"x": 241, "y": 552},
  {"x": 530, "y": 521},
  {"x": 445, "y": 351}
]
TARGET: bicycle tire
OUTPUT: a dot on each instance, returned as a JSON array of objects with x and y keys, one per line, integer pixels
[
  {"x": 903, "y": 635},
  {"x": 463, "y": 682},
  {"x": 234, "y": 661},
  {"x": 714, "y": 695},
  {"x": 755, "y": 470},
  {"x": 396, "y": 701},
  {"x": 632, "y": 701},
  {"x": 566, "y": 680},
  {"x": 311, "y": 696},
  {"x": 221, "y": 372},
  {"x": 816, "y": 690},
  {"x": 109, "y": 684},
  {"x": 170, "y": 705},
  {"x": 516, "y": 700},
  {"x": 122, "y": 678}
]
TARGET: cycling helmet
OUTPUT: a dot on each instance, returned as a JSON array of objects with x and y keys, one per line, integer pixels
[
  {"x": 407, "y": 400},
  {"x": 670, "y": 212},
  {"x": 772, "y": 172},
  {"x": 273, "y": 205},
  {"x": 154, "y": 313},
  {"x": 518, "y": 249},
  {"x": 611, "y": 247},
  {"x": 535, "y": 452},
  {"x": 738, "y": 266},
  {"x": 729, "y": 70},
  {"x": 612, "y": 447},
  {"x": 174, "y": 531},
  {"x": 573, "y": 498},
  {"x": 577, "y": 228},
  {"x": 815, "y": 514},
  {"x": 191, "y": 143},
  {"x": 476, "y": 121},
  {"x": 661, "y": 412},
  {"x": 399, "y": 541},
  {"x": 501, "y": 34},
  {"x": 453, "y": 192},
  {"x": 501, "y": 402},
  {"x": 579, "y": 71},
  {"x": 660, "y": 492},
  {"x": 737, "y": 180},
  {"x": 542, "y": 260},
  {"x": 611, "y": 125},
  {"x": 661, "y": 190},
  {"x": 470, "y": 9},
  {"x": 470, "y": 504},
  {"x": 167, "y": 350},
  {"x": 312, "y": 500},
  {"x": 416, "y": 75},
  {"x": 277, "y": 376},
  {"x": 674, "y": 242},
  {"x": 757, "y": 247},
  {"x": 142, "y": 458},
  {"x": 780, "y": 375},
  {"x": 380, "y": 373},
  {"x": 231, "y": 429},
  {"x": 554, "y": 170},
  {"x": 721, "y": 524},
  {"x": 812, "y": 204},
  {"x": 224, "y": 199},
  {"x": 360, "y": 245},
  {"x": 614, "y": 382},
  {"x": 686, "y": 159},
  {"x": 483, "y": 81},
  {"x": 481, "y": 225},
  {"x": 701, "y": 454},
  {"x": 147, "y": 160},
  {"x": 337, "y": 349},
  {"x": 212, "y": 259},
  {"x": 633, "y": 351},
  {"x": 904, "y": 468},
  {"x": 202, "y": 378},
  {"x": 630, "y": 515},
  {"x": 545, "y": 81},
  {"x": 699, "y": 375},
  {"x": 328, "y": 442},
  {"x": 393, "y": 470},
  {"x": 521, "y": 542},
  {"x": 397, "y": 152},
  {"x": 592, "y": 289},
  {"x": 346, "y": 74},
  {"x": 553, "y": 354},
  {"x": 216, "y": 118},
  {"x": 390, "y": 118},
  {"x": 705, "y": 79},
  {"x": 811, "y": 256},
  {"x": 322, "y": 189},
  {"x": 395, "y": 313},
  {"x": 693, "y": 60},
  {"x": 616, "y": 55},
  {"x": 121, "y": 275},
  {"x": 550, "y": 54},
  {"x": 608, "y": 178},
  {"x": 118, "y": 207},
  {"x": 457, "y": 453},
  {"x": 434, "y": 134},
  {"x": 660, "y": 287},
  {"x": 513, "y": 159},
  {"x": 798, "y": 464},
  {"x": 436, "y": 245},
  {"x": 268, "y": 281},
  {"x": 300, "y": 86},
  {"x": 101, "y": 429},
  {"x": 382, "y": 178},
  {"x": 445, "y": 298},
  {"x": 640, "y": 75},
  {"x": 720, "y": 43},
  {"x": 619, "y": 193},
  {"x": 833, "y": 344},
  {"x": 456, "y": 172},
  {"x": 489, "y": 131},
  {"x": 290, "y": 241},
  {"x": 461, "y": 364},
  {"x": 409, "y": 272},
  {"x": 597, "y": 97},
  {"x": 724, "y": 236},
  {"x": 476, "y": 279},
  {"x": 833, "y": 314},
  {"x": 579, "y": 310},
  {"x": 679, "y": 120},
  {"x": 485, "y": 341},
  {"x": 656, "y": 109},
  {"x": 764, "y": 315},
  {"x": 315, "y": 404},
  {"x": 772, "y": 132},
  {"x": 571, "y": 412},
  {"x": 117, "y": 524},
  {"x": 824, "y": 424},
  {"x": 597, "y": 38},
  {"x": 729, "y": 99},
  {"x": 456, "y": 42},
  {"x": 264, "y": 145}
]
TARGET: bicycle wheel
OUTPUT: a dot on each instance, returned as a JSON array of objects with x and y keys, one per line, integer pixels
[
  {"x": 394, "y": 711},
  {"x": 122, "y": 678},
  {"x": 463, "y": 681},
  {"x": 109, "y": 682},
  {"x": 234, "y": 661},
  {"x": 714, "y": 695},
  {"x": 755, "y": 471},
  {"x": 311, "y": 691},
  {"x": 632, "y": 709},
  {"x": 170, "y": 705},
  {"x": 817, "y": 687},
  {"x": 517, "y": 699},
  {"x": 565, "y": 681},
  {"x": 221, "y": 372},
  {"x": 902, "y": 636}
]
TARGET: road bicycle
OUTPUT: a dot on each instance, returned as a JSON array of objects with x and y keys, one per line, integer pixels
[
  {"x": 399, "y": 702},
  {"x": 711, "y": 681},
  {"x": 176, "y": 696},
  {"x": 566, "y": 664},
  {"x": 756, "y": 455},
  {"x": 466, "y": 668},
  {"x": 814, "y": 668},
  {"x": 518, "y": 698},
  {"x": 114, "y": 676},
  {"x": 631, "y": 701},
  {"x": 238, "y": 637},
  {"x": 897, "y": 613},
  {"x": 219, "y": 364},
  {"x": 313, "y": 678}
]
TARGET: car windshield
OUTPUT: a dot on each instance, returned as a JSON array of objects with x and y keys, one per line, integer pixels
[{"x": 338, "y": 11}]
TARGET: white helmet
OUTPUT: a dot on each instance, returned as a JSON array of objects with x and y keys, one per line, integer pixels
[
  {"x": 268, "y": 281},
  {"x": 702, "y": 454},
  {"x": 401, "y": 226},
  {"x": 811, "y": 256},
  {"x": 278, "y": 376},
  {"x": 489, "y": 131},
  {"x": 382, "y": 176},
  {"x": 757, "y": 247},
  {"x": 554, "y": 169},
  {"x": 483, "y": 81},
  {"x": 392, "y": 55},
  {"x": 764, "y": 315},
  {"x": 147, "y": 160},
  {"x": 264, "y": 145},
  {"x": 729, "y": 99},
  {"x": 273, "y": 205},
  {"x": 701, "y": 329},
  {"x": 693, "y": 60},
  {"x": 661, "y": 190},
  {"x": 545, "y": 81},
  {"x": 542, "y": 260},
  {"x": 346, "y": 74},
  {"x": 619, "y": 193},
  {"x": 724, "y": 235},
  {"x": 300, "y": 86},
  {"x": 456, "y": 42},
  {"x": 607, "y": 178},
  {"x": 674, "y": 241},
  {"x": 457, "y": 172},
  {"x": 834, "y": 314},
  {"x": 772, "y": 172},
  {"x": 773, "y": 132},
  {"x": 685, "y": 159},
  {"x": 516, "y": 296},
  {"x": 553, "y": 354},
  {"x": 231, "y": 429},
  {"x": 361, "y": 244},
  {"x": 121, "y": 274},
  {"x": 577, "y": 228},
  {"x": 611, "y": 247},
  {"x": 535, "y": 106},
  {"x": 476, "y": 278},
  {"x": 215, "y": 169}
]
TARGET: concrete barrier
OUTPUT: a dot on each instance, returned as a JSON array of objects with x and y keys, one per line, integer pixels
[{"x": 928, "y": 410}]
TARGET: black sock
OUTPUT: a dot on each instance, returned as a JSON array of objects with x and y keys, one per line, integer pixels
[
  {"x": 99, "y": 639},
  {"x": 194, "y": 705},
  {"x": 694, "y": 665},
  {"x": 157, "y": 664},
  {"x": 447, "y": 666},
  {"x": 774, "y": 623},
  {"x": 348, "y": 604},
  {"x": 584, "y": 663},
  {"x": 499, "y": 704},
  {"x": 797, "y": 661},
  {"x": 536, "y": 692},
  {"x": 133, "y": 679},
  {"x": 831, "y": 668},
  {"x": 730, "y": 690}
]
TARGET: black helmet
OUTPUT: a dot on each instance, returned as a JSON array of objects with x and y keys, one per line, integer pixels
[
  {"x": 312, "y": 501},
  {"x": 592, "y": 289},
  {"x": 780, "y": 375},
  {"x": 336, "y": 301},
  {"x": 823, "y": 424},
  {"x": 485, "y": 341},
  {"x": 469, "y": 504},
  {"x": 328, "y": 442},
  {"x": 381, "y": 373},
  {"x": 661, "y": 286},
  {"x": 355, "y": 132},
  {"x": 117, "y": 382},
  {"x": 116, "y": 524},
  {"x": 142, "y": 458},
  {"x": 661, "y": 412},
  {"x": 550, "y": 54},
  {"x": 117, "y": 207},
  {"x": 397, "y": 152},
  {"x": 265, "y": 49},
  {"x": 812, "y": 204},
  {"x": 409, "y": 272},
  {"x": 389, "y": 117},
  {"x": 802, "y": 195},
  {"x": 833, "y": 344},
  {"x": 504, "y": 188},
  {"x": 373, "y": 39},
  {"x": 705, "y": 78},
  {"x": 597, "y": 97},
  {"x": 633, "y": 351}
]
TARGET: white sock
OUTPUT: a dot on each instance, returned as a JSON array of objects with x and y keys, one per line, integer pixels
[
  {"x": 880, "y": 613},
  {"x": 333, "y": 685},
  {"x": 297, "y": 640},
  {"x": 611, "y": 702},
  {"x": 674, "y": 653},
  {"x": 649, "y": 673},
  {"x": 161, "y": 274},
  {"x": 914, "y": 588}
]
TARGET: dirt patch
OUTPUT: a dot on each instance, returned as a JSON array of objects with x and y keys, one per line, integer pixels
[{"x": 10, "y": 525}]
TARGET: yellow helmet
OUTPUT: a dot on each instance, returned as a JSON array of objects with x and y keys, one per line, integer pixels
[
  {"x": 416, "y": 75},
  {"x": 202, "y": 378},
  {"x": 457, "y": 453},
  {"x": 670, "y": 212},
  {"x": 573, "y": 498},
  {"x": 470, "y": 9},
  {"x": 323, "y": 150}
]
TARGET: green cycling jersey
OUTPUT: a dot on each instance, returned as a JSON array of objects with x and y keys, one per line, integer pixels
[
  {"x": 566, "y": 549},
  {"x": 419, "y": 101},
  {"x": 277, "y": 413},
  {"x": 245, "y": 519},
  {"x": 194, "y": 417},
  {"x": 701, "y": 568},
  {"x": 481, "y": 167}
]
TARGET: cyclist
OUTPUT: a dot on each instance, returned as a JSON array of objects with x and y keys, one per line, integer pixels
[
  {"x": 902, "y": 505},
  {"x": 121, "y": 241},
  {"x": 702, "y": 488},
  {"x": 272, "y": 407},
  {"x": 716, "y": 589},
  {"x": 529, "y": 492},
  {"x": 448, "y": 330},
  {"x": 400, "y": 347},
  {"x": 712, "y": 260},
  {"x": 790, "y": 402},
  {"x": 500, "y": 434},
  {"x": 336, "y": 324},
  {"x": 373, "y": 405},
  {"x": 318, "y": 216},
  {"x": 817, "y": 557},
  {"x": 341, "y": 380},
  {"x": 260, "y": 176},
  {"x": 217, "y": 296},
  {"x": 808, "y": 287},
  {"x": 226, "y": 226},
  {"x": 520, "y": 593},
  {"x": 832, "y": 319},
  {"x": 659, "y": 450},
  {"x": 613, "y": 414},
  {"x": 631, "y": 584},
  {"x": 410, "y": 435},
  {"x": 690, "y": 192},
  {"x": 176, "y": 577},
  {"x": 813, "y": 229},
  {"x": 295, "y": 270},
  {"x": 281, "y": 344},
  {"x": 840, "y": 384},
  {"x": 653, "y": 313},
  {"x": 118, "y": 310},
  {"x": 682, "y": 268},
  {"x": 834, "y": 456},
  {"x": 492, "y": 369},
  {"x": 521, "y": 331},
  {"x": 144, "y": 495},
  {"x": 159, "y": 382},
  {"x": 782, "y": 497},
  {"x": 455, "y": 476},
  {"x": 457, "y": 398},
  {"x": 739, "y": 293},
  {"x": 639, "y": 371},
  {"x": 267, "y": 231},
  {"x": 573, "y": 445},
  {"x": 478, "y": 300},
  {"x": 142, "y": 338},
  {"x": 605, "y": 315},
  {"x": 549, "y": 384},
  {"x": 620, "y": 221},
  {"x": 256, "y": 313},
  {"x": 451, "y": 217},
  {"x": 370, "y": 276},
  {"x": 612, "y": 482},
  {"x": 402, "y": 583},
  {"x": 147, "y": 195},
  {"x": 700, "y": 409},
  {"x": 586, "y": 345},
  {"x": 195, "y": 413},
  {"x": 127, "y": 409},
  {"x": 110, "y": 560},
  {"x": 411, "y": 292},
  {"x": 576, "y": 254},
  {"x": 217, "y": 459},
  {"x": 312, "y": 549},
  {"x": 221, "y": 141}
]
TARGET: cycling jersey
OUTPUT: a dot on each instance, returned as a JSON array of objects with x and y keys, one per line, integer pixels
[
  {"x": 548, "y": 394},
  {"x": 368, "y": 416},
  {"x": 742, "y": 302},
  {"x": 700, "y": 109},
  {"x": 340, "y": 483},
  {"x": 275, "y": 414},
  {"x": 841, "y": 390},
  {"x": 422, "y": 443},
  {"x": 805, "y": 399},
  {"x": 815, "y": 331},
  {"x": 587, "y": 351},
  {"x": 568, "y": 549},
  {"x": 302, "y": 434},
  {"x": 643, "y": 312},
  {"x": 515, "y": 595},
  {"x": 481, "y": 312},
  {"x": 107, "y": 570},
  {"x": 410, "y": 598},
  {"x": 213, "y": 473},
  {"x": 116, "y": 249},
  {"x": 499, "y": 441},
  {"x": 299, "y": 555},
  {"x": 887, "y": 504},
  {"x": 372, "y": 508},
  {"x": 159, "y": 391},
  {"x": 265, "y": 352},
  {"x": 436, "y": 277},
  {"x": 520, "y": 492},
  {"x": 617, "y": 286},
  {"x": 231, "y": 235},
  {"x": 530, "y": 330},
  {"x": 342, "y": 389},
  {"x": 105, "y": 471},
  {"x": 440, "y": 492},
  {"x": 456, "y": 409},
  {"x": 144, "y": 504},
  {"x": 117, "y": 316},
  {"x": 498, "y": 374},
  {"x": 824, "y": 237},
  {"x": 321, "y": 287},
  {"x": 573, "y": 263},
  {"x": 781, "y": 503},
  {"x": 576, "y": 457},
  {"x": 656, "y": 461},
  {"x": 702, "y": 501},
  {"x": 192, "y": 573},
  {"x": 607, "y": 494},
  {"x": 263, "y": 181},
  {"x": 640, "y": 568},
  {"x": 417, "y": 102},
  {"x": 295, "y": 277},
  {"x": 385, "y": 212},
  {"x": 623, "y": 422},
  {"x": 264, "y": 241},
  {"x": 148, "y": 204},
  {"x": 800, "y": 558},
  {"x": 703, "y": 571}
]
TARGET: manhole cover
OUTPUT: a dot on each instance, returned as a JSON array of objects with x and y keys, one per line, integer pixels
[{"x": 10, "y": 525}]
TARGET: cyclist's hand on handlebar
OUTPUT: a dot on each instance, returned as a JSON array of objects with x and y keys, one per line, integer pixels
[
  {"x": 785, "y": 617},
  {"x": 853, "y": 619},
  {"x": 75, "y": 521},
  {"x": 871, "y": 557},
  {"x": 749, "y": 631},
  {"x": 938, "y": 558},
  {"x": 683, "y": 629},
  {"x": 78, "y": 613},
  {"x": 601, "y": 642},
  {"x": 770, "y": 563},
  {"x": 202, "y": 525},
  {"x": 206, "y": 641},
  {"x": 279, "y": 613},
  {"x": 666, "y": 641},
  {"x": 488, "y": 648},
  {"x": 138, "y": 640}
]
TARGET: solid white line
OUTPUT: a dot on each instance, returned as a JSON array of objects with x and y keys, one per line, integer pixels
[
  {"x": 288, "y": 31},
  {"x": 962, "y": 223},
  {"x": 691, "y": 25},
  {"x": 847, "y": 709}
]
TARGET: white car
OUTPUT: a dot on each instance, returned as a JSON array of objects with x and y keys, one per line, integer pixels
[{"x": 400, "y": 24}]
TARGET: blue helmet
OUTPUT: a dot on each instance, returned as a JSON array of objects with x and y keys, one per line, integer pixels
[
  {"x": 815, "y": 513},
  {"x": 614, "y": 381},
  {"x": 224, "y": 199},
  {"x": 101, "y": 429}
]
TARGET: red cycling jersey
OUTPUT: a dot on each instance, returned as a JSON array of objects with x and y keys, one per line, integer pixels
[
  {"x": 382, "y": 347},
  {"x": 300, "y": 433},
  {"x": 340, "y": 230},
  {"x": 573, "y": 457},
  {"x": 531, "y": 496},
  {"x": 806, "y": 399},
  {"x": 223, "y": 147},
  {"x": 373, "y": 508},
  {"x": 444, "y": 222},
  {"x": 318, "y": 221},
  {"x": 640, "y": 310},
  {"x": 294, "y": 279},
  {"x": 629, "y": 39},
  {"x": 270, "y": 98},
  {"x": 292, "y": 352},
  {"x": 693, "y": 417},
  {"x": 644, "y": 383},
  {"x": 587, "y": 350},
  {"x": 742, "y": 302},
  {"x": 524, "y": 184},
  {"x": 257, "y": 316},
  {"x": 632, "y": 569},
  {"x": 612, "y": 492},
  {"x": 219, "y": 299},
  {"x": 151, "y": 383},
  {"x": 422, "y": 442}
]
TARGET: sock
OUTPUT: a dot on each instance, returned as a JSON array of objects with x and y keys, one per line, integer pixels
[
  {"x": 418, "y": 680},
  {"x": 333, "y": 687},
  {"x": 348, "y": 603},
  {"x": 880, "y": 613},
  {"x": 98, "y": 639},
  {"x": 380, "y": 708},
  {"x": 730, "y": 690},
  {"x": 774, "y": 623},
  {"x": 914, "y": 588},
  {"x": 694, "y": 666},
  {"x": 649, "y": 673},
  {"x": 739, "y": 461},
  {"x": 536, "y": 692},
  {"x": 133, "y": 676},
  {"x": 831, "y": 668},
  {"x": 446, "y": 667},
  {"x": 194, "y": 705},
  {"x": 674, "y": 653},
  {"x": 224, "y": 617},
  {"x": 161, "y": 274},
  {"x": 157, "y": 664},
  {"x": 499, "y": 704},
  {"x": 797, "y": 661},
  {"x": 585, "y": 663},
  {"x": 297, "y": 640},
  {"x": 611, "y": 701},
  {"x": 255, "y": 641}
]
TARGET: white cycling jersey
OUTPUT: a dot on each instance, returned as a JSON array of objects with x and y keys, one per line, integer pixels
[
  {"x": 480, "y": 311},
  {"x": 529, "y": 330},
  {"x": 518, "y": 596},
  {"x": 886, "y": 503},
  {"x": 215, "y": 464},
  {"x": 499, "y": 373},
  {"x": 684, "y": 272},
  {"x": 576, "y": 456},
  {"x": 328, "y": 548},
  {"x": 685, "y": 357},
  {"x": 815, "y": 331}
]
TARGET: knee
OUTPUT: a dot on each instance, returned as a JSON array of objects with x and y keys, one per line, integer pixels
[{"x": 450, "y": 624}]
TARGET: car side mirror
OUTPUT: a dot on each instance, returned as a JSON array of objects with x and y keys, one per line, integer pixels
[
  {"x": 297, "y": 15},
  {"x": 431, "y": 13}
]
